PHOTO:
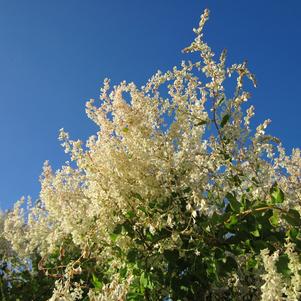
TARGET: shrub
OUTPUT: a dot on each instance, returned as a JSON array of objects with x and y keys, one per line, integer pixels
[{"x": 174, "y": 198}]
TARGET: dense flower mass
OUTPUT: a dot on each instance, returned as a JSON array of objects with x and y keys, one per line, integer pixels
[{"x": 174, "y": 198}]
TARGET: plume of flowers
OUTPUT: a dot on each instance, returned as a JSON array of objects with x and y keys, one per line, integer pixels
[{"x": 173, "y": 196}]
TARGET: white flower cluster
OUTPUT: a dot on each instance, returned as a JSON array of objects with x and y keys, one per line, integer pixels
[
  {"x": 112, "y": 291},
  {"x": 151, "y": 148},
  {"x": 276, "y": 287},
  {"x": 273, "y": 285}
]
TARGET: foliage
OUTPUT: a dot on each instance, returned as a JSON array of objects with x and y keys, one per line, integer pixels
[
  {"x": 174, "y": 198},
  {"x": 21, "y": 279}
]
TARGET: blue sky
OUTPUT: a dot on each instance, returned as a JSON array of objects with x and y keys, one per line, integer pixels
[{"x": 55, "y": 54}]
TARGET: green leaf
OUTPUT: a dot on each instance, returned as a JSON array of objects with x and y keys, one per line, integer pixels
[
  {"x": 149, "y": 236},
  {"x": 96, "y": 282},
  {"x": 282, "y": 265},
  {"x": 255, "y": 233},
  {"x": 258, "y": 245},
  {"x": 251, "y": 263},
  {"x": 235, "y": 205},
  {"x": 277, "y": 194},
  {"x": 233, "y": 220},
  {"x": 225, "y": 120},
  {"x": 130, "y": 214},
  {"x": 128, "y": 228},
  {"x": 293, "y": 233},
  {"x": 293, "y": 217},
  {"x": 132, "y": 255},
  {"x": 215, "y": 219},
  {"x": 113, "y": 236},
  {"x": 274, "y": 219},
  {"x": 143, "y": 282},
  {"x": 251, "y": 223},
  {"x": 123, "y": 272}
]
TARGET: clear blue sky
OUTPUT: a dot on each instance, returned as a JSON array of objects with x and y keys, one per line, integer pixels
[{"x": 55, "y": 54}]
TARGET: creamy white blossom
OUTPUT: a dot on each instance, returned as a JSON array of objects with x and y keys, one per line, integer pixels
[{"x": 182, "y": 152}]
